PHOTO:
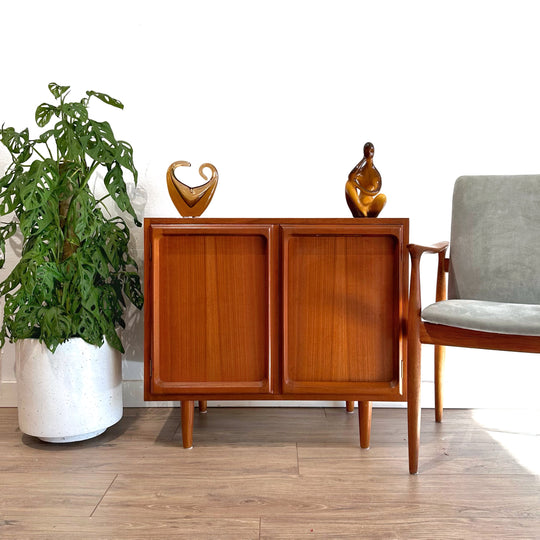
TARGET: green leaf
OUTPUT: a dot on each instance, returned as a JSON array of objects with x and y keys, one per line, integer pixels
[
  {"x": 7, "y": 180},
  {"x": 48, "y": 279},
  {"x": 114, "y": 240},
  {"x": 24, "y": 323},
  {"x": 55, "y": 326},
  {"x": 44, "y": 113},
  {"x": 12, "y": 281},
  {"x": 35, "y": 221},
  {"x": 125, "y": 158},
  {"x": 100, "y": 261},
  {"x": 90, "y": 302},
  {"x": 44, "y": 246},
  {"x": 14, "y": 141},
  {"x": 46, "y": 135},
  {"x": 9, "y": 194},
  {"x": 88, "y": 327},
  {"x": 112, "y": 338},
  {"x": 114, "y": 182},
  {"x": 86, "y": 273},
  {"x": 105, "y": 98},
  {"x": 57, "y": 91},
  {"x": 77, "y": 111},
  {"x": 83, "y": 218},
  {"x": 39, "y": 183},
  {"x": 99, "y": 142},
  {"x": 6, "y": 232},
  {"x": 67, "y": 141},
  {"x": 28, "y": 276}
]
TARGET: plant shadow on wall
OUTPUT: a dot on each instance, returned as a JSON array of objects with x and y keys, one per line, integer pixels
[
  {"x": 66, "y": 298},
  {"x": 132, "y": 334}
]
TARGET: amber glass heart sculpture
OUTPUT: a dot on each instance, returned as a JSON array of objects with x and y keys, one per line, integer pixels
[{"x": 191, "y": 201}]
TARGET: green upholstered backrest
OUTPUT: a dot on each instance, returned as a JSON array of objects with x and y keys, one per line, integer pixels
[{"x": 495, "y": 239}]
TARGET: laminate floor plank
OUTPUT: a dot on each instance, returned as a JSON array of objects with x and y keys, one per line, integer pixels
[
  {"x": 270, "y": 426},
  {"x": 445, "y": 457},
  {"x": 51, "y": 494},
  {"x": 398, "y": 529},
  {"x": 92, "y": 528},
  {"x": 350, "y": 495},
  {"x": 122, "y": 458}
]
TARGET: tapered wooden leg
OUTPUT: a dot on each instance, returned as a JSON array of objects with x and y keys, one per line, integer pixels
[
  {"x": 364, "y": 419},
  {"x": 440, "y": 352},
  {"x": 413, "y": 403},
  {"x": 414, "y": 351},
  {"x": 203, "y": 406},
  {"x": 349, "y": 406},
  {"x": 187, "y": 423}
]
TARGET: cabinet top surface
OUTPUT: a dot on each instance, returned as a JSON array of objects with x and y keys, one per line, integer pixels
[{"x": 274, "y": 221}]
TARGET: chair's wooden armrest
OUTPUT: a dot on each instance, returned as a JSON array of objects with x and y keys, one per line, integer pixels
[{"x": 417, "y": 249}]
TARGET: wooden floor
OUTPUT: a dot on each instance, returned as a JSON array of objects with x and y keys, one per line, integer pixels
[{"x": 275, "y": 473}]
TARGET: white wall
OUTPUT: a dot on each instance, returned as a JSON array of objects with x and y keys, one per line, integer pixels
[{"x": 281, "y": 95}]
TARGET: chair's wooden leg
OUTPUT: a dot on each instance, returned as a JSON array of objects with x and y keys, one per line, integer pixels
[
  {"x": 349, "y": 406},
  {"x": 203, "y": 406},
  {"x": 413, "y": 402},
  {"x": 364, "y": 419},
  {"x": 187, "y": 423},
  {"x": 440, "y": 351}
]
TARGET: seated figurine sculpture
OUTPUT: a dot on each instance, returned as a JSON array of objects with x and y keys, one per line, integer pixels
[{"x": 363, "y": 186}]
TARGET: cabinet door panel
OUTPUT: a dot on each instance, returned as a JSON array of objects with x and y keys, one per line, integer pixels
[
  {"x": 211, "y": 309},
  {"x": 343, "y": 309}
]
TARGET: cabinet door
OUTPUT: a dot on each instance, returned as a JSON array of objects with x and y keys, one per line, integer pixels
[
  {"x": 344, "y": 308},
  {"x": 211, "y": 291}
]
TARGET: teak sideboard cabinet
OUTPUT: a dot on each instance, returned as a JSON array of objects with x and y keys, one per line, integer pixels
[{"x": 273, "y": 309}]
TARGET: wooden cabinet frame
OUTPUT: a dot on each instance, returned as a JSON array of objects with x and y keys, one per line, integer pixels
[{"x": 273, "y": 309}]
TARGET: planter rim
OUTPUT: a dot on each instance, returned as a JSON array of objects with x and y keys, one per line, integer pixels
[{"x": 76, "y": 339}]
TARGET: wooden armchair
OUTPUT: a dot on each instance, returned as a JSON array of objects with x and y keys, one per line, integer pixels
[{"x": 493, "y": 282}]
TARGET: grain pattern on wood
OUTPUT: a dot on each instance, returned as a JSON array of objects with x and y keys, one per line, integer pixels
[
  {"x": 439, "y": 334},
  {"x": 52, "y": 494},
  {"x": 341, "y": 292},
  {"x": 133, "y": 528},
  {"x": 187, "y": 423},
  {"x": 364, "y": 422},
  {"x": 298, "y": 474},
  {"x": 276, "y": 528},
  {"x": 211, "y": 309},
  {"x": 472, "y": 496}
]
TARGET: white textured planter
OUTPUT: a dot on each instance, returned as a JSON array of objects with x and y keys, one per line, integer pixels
[{"x": 71, "y": 395}]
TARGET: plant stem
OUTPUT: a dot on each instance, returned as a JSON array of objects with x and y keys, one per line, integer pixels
[{"x": 39, "y": 153}]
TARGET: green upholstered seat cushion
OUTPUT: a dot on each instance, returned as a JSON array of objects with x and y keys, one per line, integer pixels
[{"x": 486, "y": 316}]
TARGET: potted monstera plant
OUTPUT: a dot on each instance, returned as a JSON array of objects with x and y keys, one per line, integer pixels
[{"x": 65, "y": 298}]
